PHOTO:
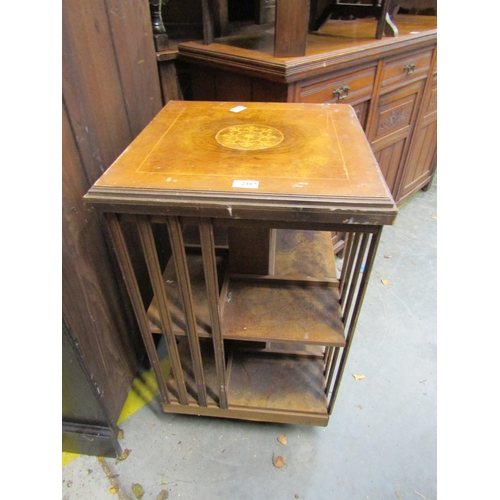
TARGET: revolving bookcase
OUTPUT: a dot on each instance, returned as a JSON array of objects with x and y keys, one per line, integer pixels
[{"x": 221, "y": 216}]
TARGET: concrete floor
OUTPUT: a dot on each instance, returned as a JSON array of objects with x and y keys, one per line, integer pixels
[{"x": 381, "y": 440}]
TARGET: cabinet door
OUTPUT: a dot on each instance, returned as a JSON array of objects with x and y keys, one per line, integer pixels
[
  {"x": 422, "y": 155},
  {"x": 391, "y": 128}
]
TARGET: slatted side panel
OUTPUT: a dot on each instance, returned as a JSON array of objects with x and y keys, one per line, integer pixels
[
  {"x": 181, "y": 268},
  {"x": 198, "y": 374},
  {"x": 358, "y": 262},
  {"x": 127, "y": 269}
]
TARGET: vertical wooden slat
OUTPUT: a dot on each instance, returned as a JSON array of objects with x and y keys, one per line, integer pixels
[
  {"x": 372, "y": 250},
  {"x": 127, "y": 270},
  {"x": 354, "y": 281},
  {"x": 347, "y": 268},
  {"x": 327, "y": 355},
  {"x": 328, "y": 362},
  {"x": 181, "y": 268},
  {"x": 210, "y": 268},
  {"x": 272, "y": 251},
  {"x": 331, "y": 370},
  {"x": 156, "y": 277},
  {"x": 347, "y": 252},
  {"x": 135, "y": 53}
]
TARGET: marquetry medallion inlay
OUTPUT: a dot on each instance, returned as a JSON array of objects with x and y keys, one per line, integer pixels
[{"x": 249, "y": 137}]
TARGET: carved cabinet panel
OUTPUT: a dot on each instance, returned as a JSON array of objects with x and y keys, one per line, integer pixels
[{"x": 395, "y": 114}]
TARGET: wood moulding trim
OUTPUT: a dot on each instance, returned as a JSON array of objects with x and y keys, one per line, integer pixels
[
  {"x": 239, "y": 205},
  {"x": 289, "y": 70}
]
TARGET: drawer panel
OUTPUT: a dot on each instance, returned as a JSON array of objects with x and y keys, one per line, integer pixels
[
  {"x": 345, "y": 88},
  {"x": 406, "y": 69}
]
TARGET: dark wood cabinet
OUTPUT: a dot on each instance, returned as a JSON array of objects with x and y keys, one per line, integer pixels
[
  {"x": 110, "y": 91},
  {"x": 391, "y": 84}
]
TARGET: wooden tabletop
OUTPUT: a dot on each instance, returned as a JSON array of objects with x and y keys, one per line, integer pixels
[{"x": 313, "y": 156}]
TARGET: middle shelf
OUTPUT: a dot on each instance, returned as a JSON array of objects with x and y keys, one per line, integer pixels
[{"x": 299, "y": 303}]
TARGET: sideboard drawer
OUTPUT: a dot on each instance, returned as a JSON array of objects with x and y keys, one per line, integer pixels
[
  {"x": 406, "y": 69},
  {"x": 348, "y": 88}
]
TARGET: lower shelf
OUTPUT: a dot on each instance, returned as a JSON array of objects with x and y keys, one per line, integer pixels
[{"x": 283, "y": 388}]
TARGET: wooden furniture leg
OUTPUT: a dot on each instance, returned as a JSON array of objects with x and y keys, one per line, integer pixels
[{"x": 291, "y": 28}]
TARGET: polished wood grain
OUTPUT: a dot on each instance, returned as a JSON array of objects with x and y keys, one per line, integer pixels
[{"x": 317, "y": 172}]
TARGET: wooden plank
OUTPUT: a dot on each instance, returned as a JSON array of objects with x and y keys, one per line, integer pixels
[
  {"x": 131, "y": 29},
  {"x": 300, "y": 375},
  {"x": 353, "y": 320},
  {"x": 283, "y": 313},
  {"x": 90, "y": 294},
  {"x": 333, "y": 178},
  {"x": 277, "y": 383},
  {"x": 91, "y": 86}
]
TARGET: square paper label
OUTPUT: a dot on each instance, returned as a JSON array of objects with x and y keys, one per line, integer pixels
[{"x": 237, "y": 109}]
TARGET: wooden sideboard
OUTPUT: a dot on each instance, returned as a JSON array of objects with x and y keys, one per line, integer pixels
[{"x": 391, "y": 83}]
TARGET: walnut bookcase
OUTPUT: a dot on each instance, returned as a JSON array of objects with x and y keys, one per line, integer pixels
[{"x": 223, "y": 214}]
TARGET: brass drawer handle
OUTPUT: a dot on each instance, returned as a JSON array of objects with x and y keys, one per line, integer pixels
[
  {"x": 341, "y": 92},
  {"x": 409, "y": 68}
]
